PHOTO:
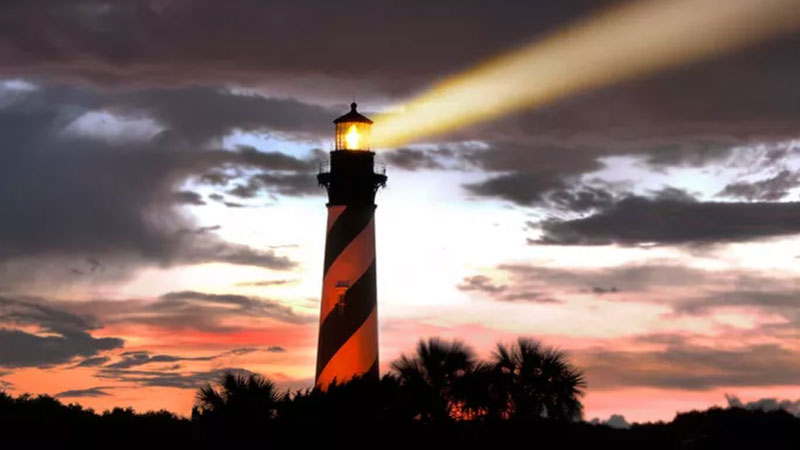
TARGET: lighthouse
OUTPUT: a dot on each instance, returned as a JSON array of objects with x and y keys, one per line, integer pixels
[{"x": 348, "y": 320}]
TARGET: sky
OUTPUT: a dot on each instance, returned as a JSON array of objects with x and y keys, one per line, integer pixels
[{"x": 161, "y": 222}]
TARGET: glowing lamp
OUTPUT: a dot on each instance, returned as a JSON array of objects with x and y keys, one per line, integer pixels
[{"x": 352, "y": 131}]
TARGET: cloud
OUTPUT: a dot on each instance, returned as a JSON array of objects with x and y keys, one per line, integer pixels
[
  {"x": 412, "y": 159},
  {"x": 480, "y": 283},
  {"x": 64, "y": 335},
  {"x": 200, "y": 114},
  {"x": 189, "y": 310},
  {"x": 518, "y": 187},
  {"x": 637, "y": 220},
  {"x": 527, "y": 157},
  {"x": 140, "y": 358},
  {"x": 290, "y": 184},
  {"x": 116, "y": 200},
  {"x": 614, "y": 421},
  {"x": 187, "y": 380},
  {"x": 248, "y": 350},
  {"x": 543, "y": 284},
  {"x": 770, "y": 189},
  {"x": 763, "y": 302},
  {"x": 680, "y": 365},
  {"x": 766, "y": 404},
  {"x": 186, "y": 53},
  {"x": 98, "y": 391},
  {"x": 189, "y": 198},
  {"x": 629, "y": 278},
  {"x": 602, "y": 290},
  {"x": 227, "y": 303},
  {"x": 581, "y": 199},
  {"x": 93, "y": 362},
  {"x": 513, "y": 292},
  {"x": 265, "y": 283},
  {"x": 214, "y": 250}
]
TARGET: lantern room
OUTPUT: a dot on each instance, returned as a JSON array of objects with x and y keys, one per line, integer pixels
[{"x": 352, "y": 131}]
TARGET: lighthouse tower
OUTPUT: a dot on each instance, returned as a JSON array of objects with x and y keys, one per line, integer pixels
[{"x": 348, "y": 320}]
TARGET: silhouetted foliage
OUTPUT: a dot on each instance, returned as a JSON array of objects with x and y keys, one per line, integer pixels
[
  {"x": 437, "y": 379},
  {"x": 240, "y": 401},
  {"x": 530, "y": 382},
  {"x": 441, "y": 396}
]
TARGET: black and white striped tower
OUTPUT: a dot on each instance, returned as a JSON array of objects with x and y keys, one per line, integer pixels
[{"x": 348, "y": 322}]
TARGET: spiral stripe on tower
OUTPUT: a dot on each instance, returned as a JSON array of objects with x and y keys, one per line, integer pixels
[
  {"x": 348, "y": 335},
  {"x": 348, "y": 317}
]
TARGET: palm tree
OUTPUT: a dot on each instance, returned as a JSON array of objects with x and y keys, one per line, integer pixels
[
  {"x": 249, "y": 398},
  {"x": 437, "y": 378},
  {"x": 531, "y": 381}
]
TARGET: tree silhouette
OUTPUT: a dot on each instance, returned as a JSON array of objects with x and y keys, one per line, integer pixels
[
  {"x": 531, "y": 381},
  {"x": 437, "y": 378},
  {"x": 239, "y": 400}
]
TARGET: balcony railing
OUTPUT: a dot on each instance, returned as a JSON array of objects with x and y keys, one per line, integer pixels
[{"x": 378, "y": 168}]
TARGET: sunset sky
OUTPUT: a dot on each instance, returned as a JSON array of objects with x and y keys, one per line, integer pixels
[{"x": 160, "y": 220}]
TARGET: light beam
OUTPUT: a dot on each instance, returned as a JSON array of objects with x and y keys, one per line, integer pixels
[{"x": 618, "y": 44}]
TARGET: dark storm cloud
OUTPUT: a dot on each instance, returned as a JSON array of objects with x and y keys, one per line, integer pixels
[
  {"x": 66, "y": 196},
  {"x": 293, "y": 184},
  {"x": 518, "y": 187},
  {"x": 580, "y": 199},
  {"x": 189, "y": 198},
  {"x": 21, "y": 349},
  {"x": 140, "y": 358},
  {"x": 529, "y": 167},
  {"x": 98, "y": 391},
  {"x": 188, "y": 310},
  {"x": 770, "y": 189},
  {"x": 213, "y": 250},
  {"x": 220, "y": 303},
  {"x": 747, "y": 99},
  {"x": 392, "y": 45},
  {"x": 685, "y": 366},
  {"x": 66, "y": 335},
  {"x": 167, "y": 378},
  {"x": 690, "y": 116},
  {"x": 202, "y": 113},
  {"x": 635, "y": 220},
  {"x": 412, "y": 159},
  {"x": 216, "y": 178},
  {"x": 93, "y": 362},
  {"x": 290, "y": 184}
]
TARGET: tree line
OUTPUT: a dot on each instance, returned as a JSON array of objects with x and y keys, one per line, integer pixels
[
  {"x": 442, "y": 381},
  {"x": 440, "y": 396}
]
